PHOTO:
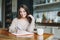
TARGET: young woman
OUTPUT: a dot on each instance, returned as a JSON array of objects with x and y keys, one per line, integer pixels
[{"x": 24, "y": 21}]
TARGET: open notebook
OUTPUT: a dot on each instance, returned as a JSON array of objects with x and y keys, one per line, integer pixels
[{"x": 23, "y": 34}]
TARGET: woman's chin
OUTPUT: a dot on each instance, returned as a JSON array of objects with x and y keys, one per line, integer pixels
[{"x": 23, "y": 17}]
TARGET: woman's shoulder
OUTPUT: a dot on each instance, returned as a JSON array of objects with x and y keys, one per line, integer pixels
[{"x": 15, "y": 19}]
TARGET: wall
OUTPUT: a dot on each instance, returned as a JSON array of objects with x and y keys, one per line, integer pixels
[
  {"x": 0, "y": 10},
  {"x": 14, "y": 8},
  {"x": 14, "y": 5}
]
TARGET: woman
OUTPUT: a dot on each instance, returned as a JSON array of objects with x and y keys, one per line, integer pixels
[{"x": 24, "y": 21}]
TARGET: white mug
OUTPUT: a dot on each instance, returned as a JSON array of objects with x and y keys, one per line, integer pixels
[
  {"x": 40, "y": 31},
  {"x": 40, "y": 37}
]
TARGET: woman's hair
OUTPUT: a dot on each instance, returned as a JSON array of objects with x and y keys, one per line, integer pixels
[
  {"x": 58, "y": 13},
  {"x": 27, "y": 11}
]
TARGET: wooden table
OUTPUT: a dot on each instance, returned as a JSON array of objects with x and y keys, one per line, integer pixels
[{"x": 5, "y": 35}]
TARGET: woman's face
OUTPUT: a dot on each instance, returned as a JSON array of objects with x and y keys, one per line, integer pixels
[{"x": 23, "y": 13}]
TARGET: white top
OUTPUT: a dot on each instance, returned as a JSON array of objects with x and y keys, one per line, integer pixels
[{"x": 21, "y": 25}]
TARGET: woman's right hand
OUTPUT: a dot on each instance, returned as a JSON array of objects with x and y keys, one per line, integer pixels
[{"x": 31, "y": 17}]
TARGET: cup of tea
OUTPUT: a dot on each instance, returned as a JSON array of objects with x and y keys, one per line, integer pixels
[{"x": 40, "y": 31}]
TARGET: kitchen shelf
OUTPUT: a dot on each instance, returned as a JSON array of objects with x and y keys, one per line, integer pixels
[
  {"x": 37, "y": 11},
  {"x": 46, "y": 8},
  {"x": 45, "y": 4},
  {"x": 49, "y": 24}
]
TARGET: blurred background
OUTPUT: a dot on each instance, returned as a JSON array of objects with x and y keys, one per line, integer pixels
[{"x": 45, "y": 12}]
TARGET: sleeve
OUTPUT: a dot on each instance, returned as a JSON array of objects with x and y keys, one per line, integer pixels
[
  {"x": 31, "y": 26},
  {"x": 12, "y": 27}
]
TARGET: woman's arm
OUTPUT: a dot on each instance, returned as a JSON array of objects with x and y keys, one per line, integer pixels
[
  {"x": 32, "y": 24},
  {"x": 12, "y": 27}
]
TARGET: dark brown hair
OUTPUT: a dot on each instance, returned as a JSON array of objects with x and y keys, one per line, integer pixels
[
  {"x": 27, "y": 11},
  {"x": 58, "y": 13}
]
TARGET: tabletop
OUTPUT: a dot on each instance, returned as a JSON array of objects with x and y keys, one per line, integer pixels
[{"x": 5, "y": 35}]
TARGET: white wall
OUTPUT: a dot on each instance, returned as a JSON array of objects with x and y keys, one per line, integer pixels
[
  {"x": 56, "y": 32},
  {"x": 0, "y": 10}
]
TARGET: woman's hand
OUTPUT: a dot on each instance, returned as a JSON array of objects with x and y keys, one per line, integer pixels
[{"x": 31, "y": 17}]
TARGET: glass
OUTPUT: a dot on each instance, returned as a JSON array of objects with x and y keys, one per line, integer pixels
[{"x": 40, "y": 38}]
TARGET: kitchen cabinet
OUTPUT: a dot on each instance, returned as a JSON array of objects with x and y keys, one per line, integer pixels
[{"x": 45, "y": 12}]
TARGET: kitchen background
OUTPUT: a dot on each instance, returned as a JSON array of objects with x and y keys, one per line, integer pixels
[{"x": 46, "y": 10}]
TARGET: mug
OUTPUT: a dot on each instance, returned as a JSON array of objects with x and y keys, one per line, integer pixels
[{"x": 40, "y": 31}]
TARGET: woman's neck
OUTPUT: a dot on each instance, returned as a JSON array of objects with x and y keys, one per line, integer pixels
[{"x": 23, "y": 18}]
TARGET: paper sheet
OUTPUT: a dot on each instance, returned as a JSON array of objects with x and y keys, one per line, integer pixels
[{"x": 23, "y": 34}]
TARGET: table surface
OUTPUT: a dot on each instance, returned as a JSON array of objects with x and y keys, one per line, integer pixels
[{"x": 5, "y": 35}]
